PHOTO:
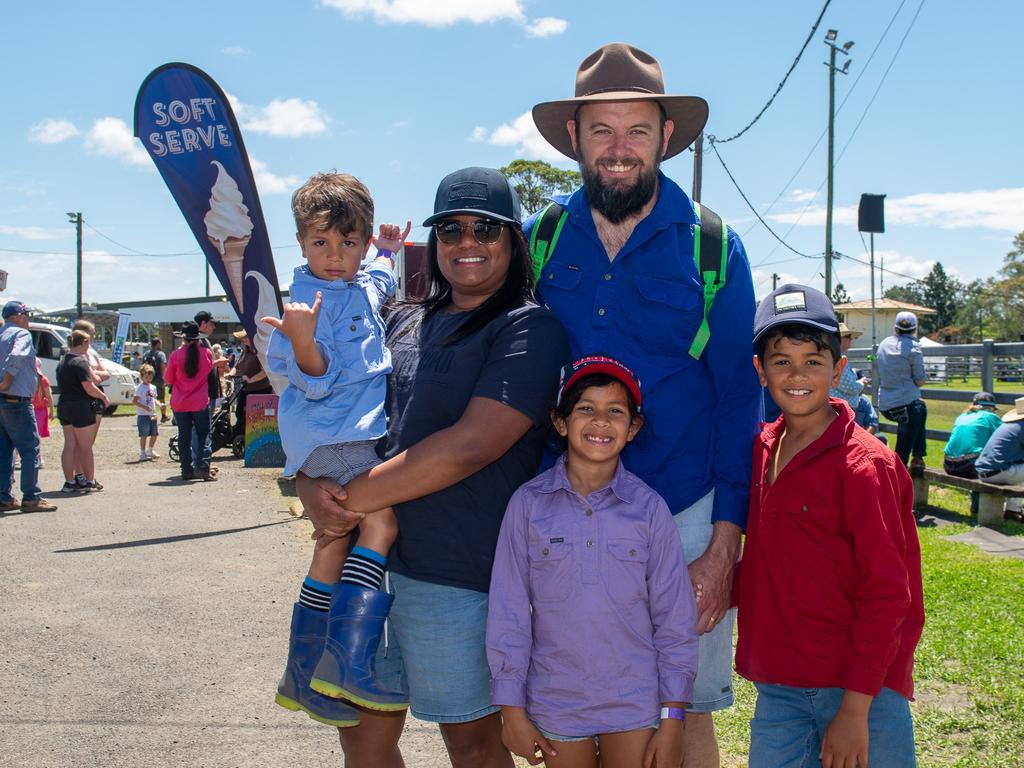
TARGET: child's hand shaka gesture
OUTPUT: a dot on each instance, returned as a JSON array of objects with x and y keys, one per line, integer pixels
[
  {"x": 390, "y": 238},
  {"x": 521, "y": 737},
  {"x": 299, "y": 324}
]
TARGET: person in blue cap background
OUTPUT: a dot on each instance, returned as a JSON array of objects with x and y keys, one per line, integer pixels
[{"x": 18, "y": 431}]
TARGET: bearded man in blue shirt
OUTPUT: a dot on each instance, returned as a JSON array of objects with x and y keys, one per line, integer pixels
[{"x": 623, "y": 281}]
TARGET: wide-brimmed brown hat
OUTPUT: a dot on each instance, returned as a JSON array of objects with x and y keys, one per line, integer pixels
[{"x": 621, "y": 72}]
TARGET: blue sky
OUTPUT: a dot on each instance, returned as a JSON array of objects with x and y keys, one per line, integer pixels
[{"x": 401, "y": 92}]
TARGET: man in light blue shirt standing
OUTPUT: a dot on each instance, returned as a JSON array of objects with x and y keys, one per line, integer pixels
[
  {"x": 623, "y": 280},
  {"x": 901, "y": 375},
  {"x": 18, "y": 382}
]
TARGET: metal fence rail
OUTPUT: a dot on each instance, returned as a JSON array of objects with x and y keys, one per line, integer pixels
[{"x": 992, "y": 363}]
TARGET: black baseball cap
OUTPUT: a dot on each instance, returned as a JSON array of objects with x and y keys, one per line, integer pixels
[
  {"x": 798, "y": 304},
  {"x": 481, "y": 192},
  {"x": 202, "y": 316}
]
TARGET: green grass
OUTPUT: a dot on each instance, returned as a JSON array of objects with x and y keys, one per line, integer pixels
[{"x": 969, "y": 668}]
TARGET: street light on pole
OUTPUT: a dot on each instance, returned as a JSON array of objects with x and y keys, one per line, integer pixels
[
  {"x": 833, "y": 49},
  {"x": 76, "y": 219}
]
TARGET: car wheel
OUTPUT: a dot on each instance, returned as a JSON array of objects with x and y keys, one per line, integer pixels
[{"x": 238, "y": 446}]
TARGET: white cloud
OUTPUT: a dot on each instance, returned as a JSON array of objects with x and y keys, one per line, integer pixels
[
  {"x": 234, "y": 50},
  {"x": 33, "y": 233},
  {"x": 431, "y": 13},
  {"x": 522, "y": 134},
  {"x": 269, "y": 183},
  {"x": 111, "y": 137},
  {"x": 98, "y": 257},
  {"x": 802, "y": 195},
  {"x": 288, "y": 118},
  {"x": 546, "y": 26},
  {"x": 50, "y": 131},
  {"x": 999, "y": 209}
]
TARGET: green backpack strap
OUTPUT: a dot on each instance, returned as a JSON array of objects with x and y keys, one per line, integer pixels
[
  {"x": 710, "y": 255},
  {"x": 544, "y": 236}
]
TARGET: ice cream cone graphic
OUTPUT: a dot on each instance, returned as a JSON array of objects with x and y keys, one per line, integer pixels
[
  {"x": 229, "y": 228},
  {"x": 232, "y": 251}
]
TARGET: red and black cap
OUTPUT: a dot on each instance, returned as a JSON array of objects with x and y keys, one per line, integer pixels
[{"x": 594, "y": 364}]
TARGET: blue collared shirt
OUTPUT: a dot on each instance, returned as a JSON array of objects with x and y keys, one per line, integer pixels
[
  {"x": 644, "y": 308},
  {"x": 900, "y": 366},
  {"x": 591, "y": 620},
  {"x": 346, "y": 404},
  {"x": 18, "y": 358}
]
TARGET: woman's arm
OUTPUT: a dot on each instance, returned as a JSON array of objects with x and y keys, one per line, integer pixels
[{"x": 486, "y": 430}]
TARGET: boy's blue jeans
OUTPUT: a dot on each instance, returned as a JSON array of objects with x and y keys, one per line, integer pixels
[{"x": 789, "y": 724}]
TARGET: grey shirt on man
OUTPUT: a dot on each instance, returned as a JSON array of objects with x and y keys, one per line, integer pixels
[{"x": 900, "y": 365}]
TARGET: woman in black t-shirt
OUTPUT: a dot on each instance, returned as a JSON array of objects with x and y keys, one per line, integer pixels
[{"x": 81, "y": 401}]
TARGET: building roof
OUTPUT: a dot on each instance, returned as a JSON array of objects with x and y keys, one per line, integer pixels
[{"x": 899, "y": 306}]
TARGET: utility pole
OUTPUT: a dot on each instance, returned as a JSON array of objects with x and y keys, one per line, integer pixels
[
  {"x": 775, "y": 280},
  {"x": 76, "y": 219},
  {"x": 833, "y": 49},
  {"x": 698, "y": 165}
]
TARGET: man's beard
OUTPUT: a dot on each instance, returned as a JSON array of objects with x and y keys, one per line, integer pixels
[{"x": 616, "y": 202}]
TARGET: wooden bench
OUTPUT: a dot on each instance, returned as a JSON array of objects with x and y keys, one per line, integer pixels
[{"x": 990, "y": 504}]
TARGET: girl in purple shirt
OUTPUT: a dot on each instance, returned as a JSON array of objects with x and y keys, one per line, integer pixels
[{"x": 591, "y": 629}]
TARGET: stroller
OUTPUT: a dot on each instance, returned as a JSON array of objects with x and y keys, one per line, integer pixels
[{"x": 222, "y": 428}]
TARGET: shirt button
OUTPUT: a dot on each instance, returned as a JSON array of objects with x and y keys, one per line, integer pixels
[
  {"x": 551, "y": 275},
  {"x": 590, "y": 543},
  {"x": 601, "y": 311},
  {"x": 352, "y": 327},
  {"x": 804, "y": 508},
  {"x": 632, "y": 553},
  {"x": 608, "y": 276},
  {"x": 589, "y": 512},
  {"x": 545, "y": 550}
]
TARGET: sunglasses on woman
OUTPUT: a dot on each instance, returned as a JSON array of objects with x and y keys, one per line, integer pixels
[{"x": 485, "y": 232}]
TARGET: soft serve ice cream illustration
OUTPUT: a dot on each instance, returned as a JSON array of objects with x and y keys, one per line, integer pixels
[{"x": 229, "y": 227}]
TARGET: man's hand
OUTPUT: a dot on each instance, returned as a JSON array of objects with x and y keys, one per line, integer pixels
[
  {"x": 522, "y": 738},
  {"x": 711, "y": 575},
  {"x": 845, "y": 744},
  {"x": 321, "y": 499},
  {"x": 391, "y": 238},
  {"x": 665, "y": 749}
]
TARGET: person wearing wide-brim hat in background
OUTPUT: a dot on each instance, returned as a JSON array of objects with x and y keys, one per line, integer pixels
[
  {"x": 622, "y": 280},
  {"x": 1002, "y": 459},
  {"x": 851, "y": 387},
  {"x": 901, "y": 375},
  {"x": 254, "y": 379},
  {"x": 971, "y": 432}
]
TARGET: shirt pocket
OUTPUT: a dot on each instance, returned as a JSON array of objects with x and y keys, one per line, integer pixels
[
  {"x": 667, "y": 314},
  {"x": 561, "y": 277},
  {"x": 551, "y": 565},
  {"x": 626, "y": 571}
]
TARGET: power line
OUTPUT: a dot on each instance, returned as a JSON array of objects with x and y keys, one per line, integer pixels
[
  {"x": 752, "y": 208},
  {"x": 784, "y": 79},
  {"x": 860, "y": 74},
  {"x": 882, "y": 81}
]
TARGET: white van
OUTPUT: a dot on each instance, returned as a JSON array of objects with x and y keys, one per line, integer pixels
[{"x": 50, "y": 340}]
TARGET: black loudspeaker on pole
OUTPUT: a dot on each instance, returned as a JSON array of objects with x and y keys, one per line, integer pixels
[{"x": 871, "y": 214}]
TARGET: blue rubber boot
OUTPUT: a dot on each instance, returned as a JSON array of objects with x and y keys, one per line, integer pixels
[
  {"x": 347, "y": 669},
  {"x": 305, "y": 647}
]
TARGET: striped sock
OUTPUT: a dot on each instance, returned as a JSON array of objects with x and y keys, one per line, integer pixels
[
  {"x": 364, "y": 567},
  {"x": 316, "y": 595}
]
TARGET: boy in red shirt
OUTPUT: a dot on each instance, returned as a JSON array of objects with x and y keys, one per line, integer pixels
[{"x": 830, "y": 601}]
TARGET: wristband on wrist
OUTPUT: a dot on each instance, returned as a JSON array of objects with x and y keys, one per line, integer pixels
[
  {"x": 673, "y": 713},
  {"x": 384, "y": 253}
]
